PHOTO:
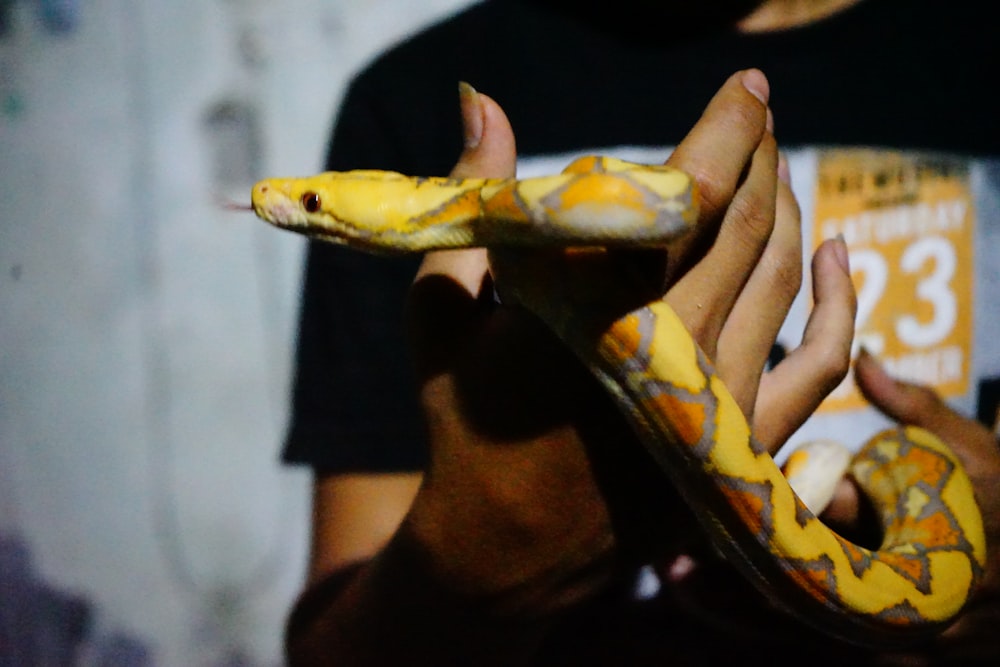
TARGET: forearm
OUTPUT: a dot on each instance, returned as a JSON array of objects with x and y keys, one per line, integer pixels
[{"x": 395, "y": 610}]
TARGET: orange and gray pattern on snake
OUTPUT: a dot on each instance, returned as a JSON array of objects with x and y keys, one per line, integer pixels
[{"x": 933, "y": 548}]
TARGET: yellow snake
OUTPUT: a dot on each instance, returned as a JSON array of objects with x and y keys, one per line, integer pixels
[{"x": 933, "y": 549}]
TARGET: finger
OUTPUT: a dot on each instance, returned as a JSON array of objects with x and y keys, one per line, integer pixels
[
  {"x": 489, "y": 140},
  {"x": 466, "y": 268},
  {"x": 732, "y": 156},
  {"x": 444, "y": 307},
  {"x": 793, "y": 390},
  {"x": 704, "y": 296},
  {"x": 973, "y": 443},
  {"x": 917, "y": 405},
  {"x": 761, "y": 307},
  {"x": 716, "y": 153},
  {"x": 921, "y": 406},
  {"x": 489, "y": 152},
  {"x": 901, "y": 401},
  {"x": 720, "y": 145}
]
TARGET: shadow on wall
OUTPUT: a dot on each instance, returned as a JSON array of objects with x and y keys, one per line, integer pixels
[
  {"x": 41, "y": 625},
  {"x": 55, "y": 16}
]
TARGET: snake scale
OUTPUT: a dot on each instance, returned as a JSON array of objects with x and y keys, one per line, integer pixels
[{"x": 933, "y": 547}]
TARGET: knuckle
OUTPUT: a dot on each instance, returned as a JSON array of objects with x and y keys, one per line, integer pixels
[
  {"x": 752, "y": 216},
  {"x": 833, "y": 363},
  {"x": 918, "y": 405},
  {"x": 748, "y": 120},
  {"x": 714, "y": 192},
  {"x": 923, "y": 399},
  {"x": 784, "y": 270},
  {"x": 838, "y": 364},
  {"x": 790, "y": 275}
]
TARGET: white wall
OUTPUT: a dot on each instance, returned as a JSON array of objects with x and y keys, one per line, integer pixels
[{"x": 146, "y": 333}]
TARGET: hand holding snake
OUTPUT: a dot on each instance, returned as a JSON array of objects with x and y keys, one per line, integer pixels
[{"x": 749, "y": 514}]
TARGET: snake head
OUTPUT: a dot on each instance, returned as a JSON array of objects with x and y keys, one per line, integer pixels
[
  {"x": 376, "y": 211},
  {"x": 329, "y": 206},
  {"x": 285, "y": 203}
]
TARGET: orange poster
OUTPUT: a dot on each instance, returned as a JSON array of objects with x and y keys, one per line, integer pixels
[{"x": 908, "y": 222}]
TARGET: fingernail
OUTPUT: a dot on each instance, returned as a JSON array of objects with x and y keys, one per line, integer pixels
[
  {"x": 784, "y": 174},
  {"x": 840, "y": 252},
  {"x": 769, "y": 121},
  {"x": 755, "y": 81},
  {"x": 472, "y": 114}
]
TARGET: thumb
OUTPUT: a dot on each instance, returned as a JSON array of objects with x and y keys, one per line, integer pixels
[
  {"x": 489, "y": 153},
  {"x": 917, "y": 405},
  {"x": 444, "y": 306},
  {"x": 904, "y": 402},
  {"x": 489, "y": 140}
]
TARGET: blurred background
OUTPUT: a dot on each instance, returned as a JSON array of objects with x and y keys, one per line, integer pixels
[{"x": 146, "y": 332}]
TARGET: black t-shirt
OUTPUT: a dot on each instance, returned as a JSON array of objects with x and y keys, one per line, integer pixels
[{"x": 887, "y": 73}]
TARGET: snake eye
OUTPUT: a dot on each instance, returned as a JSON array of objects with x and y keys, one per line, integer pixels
[{"x": 310, "y": 202}]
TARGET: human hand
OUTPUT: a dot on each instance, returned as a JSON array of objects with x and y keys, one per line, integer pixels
[
  {"x": 516, "y": 503},
  {"x": 973, "y": 635},
  {"x": 707, "y": 587}
]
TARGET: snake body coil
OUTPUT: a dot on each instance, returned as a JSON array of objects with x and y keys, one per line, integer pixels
[{"x": 933, "y": 549}]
